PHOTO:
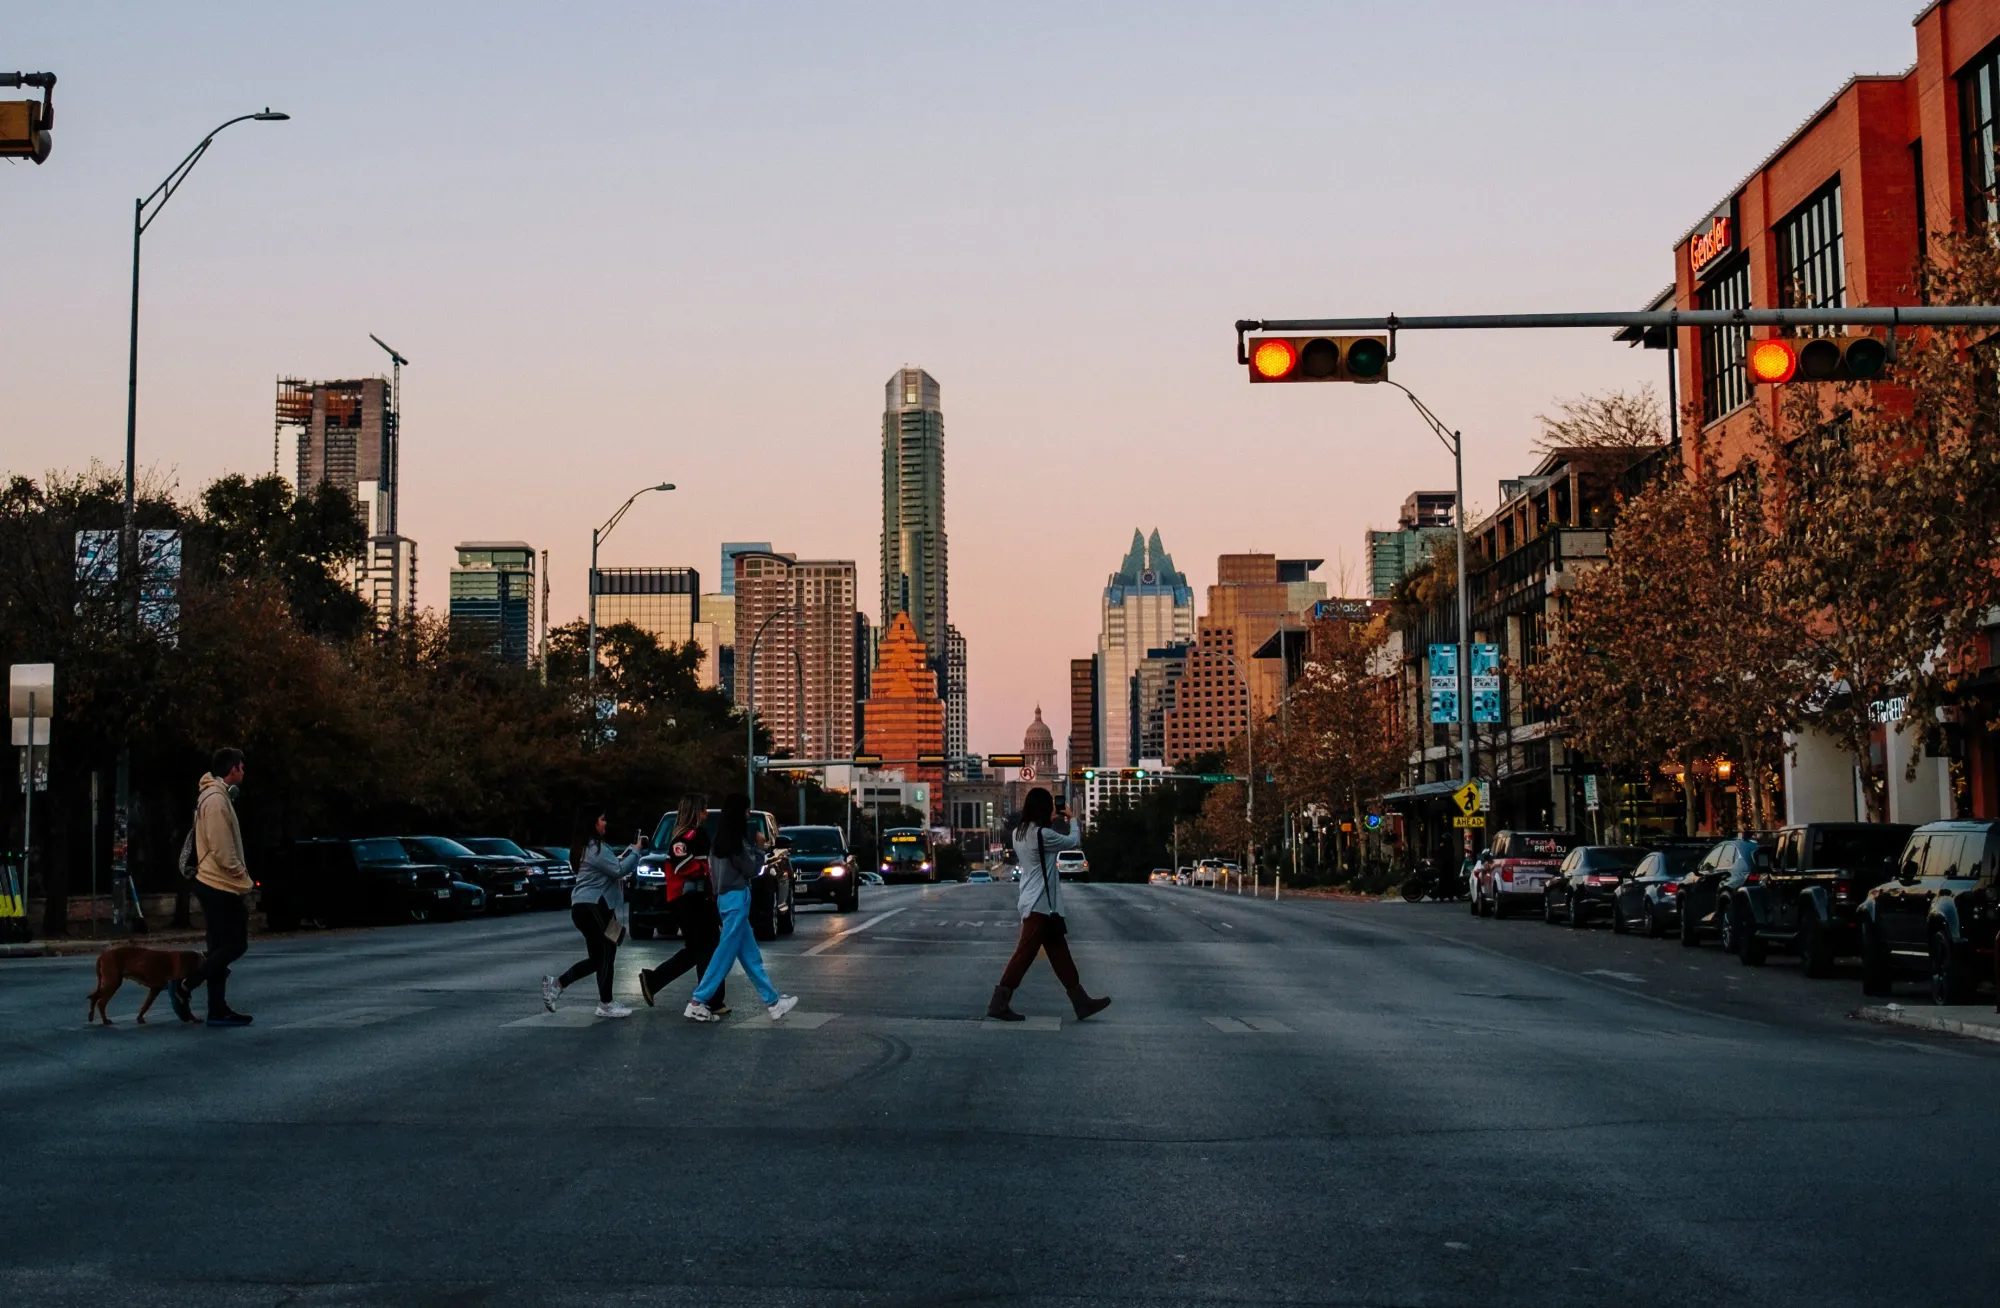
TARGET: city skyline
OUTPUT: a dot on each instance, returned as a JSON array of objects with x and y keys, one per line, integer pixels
[{"x": 553, "y": 373}]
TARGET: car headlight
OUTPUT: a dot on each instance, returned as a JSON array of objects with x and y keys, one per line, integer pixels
[
  {"x": 652, "y": 874},
  {"x": 836, "y": 871},
  {"x": 924, "y": 866}
]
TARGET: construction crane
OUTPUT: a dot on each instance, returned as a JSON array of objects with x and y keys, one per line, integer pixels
[{"x": 392, "y": 464}]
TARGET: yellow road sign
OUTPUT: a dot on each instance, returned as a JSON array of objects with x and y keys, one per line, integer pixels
[
  {"x": 1470, "y": 820},
  {"x": 1467, "y": 797}
]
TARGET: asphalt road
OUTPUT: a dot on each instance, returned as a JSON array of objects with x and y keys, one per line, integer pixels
[{"x": 1297, "y": 1103}]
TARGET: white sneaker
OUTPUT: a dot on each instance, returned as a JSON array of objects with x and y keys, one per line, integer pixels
[
  {"x": 785, "y": 1004},
  {"x": 613, "y": 1010},
  {"x": 696, "y": 1011},
  {"x": 551, "y": 989}
]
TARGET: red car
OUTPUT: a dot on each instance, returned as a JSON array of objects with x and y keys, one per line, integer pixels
[{"x": 1520, "y": 866}]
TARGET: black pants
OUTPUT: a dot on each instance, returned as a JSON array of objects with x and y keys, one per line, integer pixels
[
  {"x": 700, "y": 927},
  {"x": 591, "y": 920},
  {"x": 226, "y": 917}
]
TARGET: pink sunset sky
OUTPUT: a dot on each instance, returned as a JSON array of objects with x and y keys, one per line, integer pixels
[{"x": 622, "y": 243}]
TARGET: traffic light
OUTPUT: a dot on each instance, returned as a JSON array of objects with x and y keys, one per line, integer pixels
[
  {"x": 1005, "y": 760},
  {"x": 1090, "y": 774},
  {"x": 1319, "y": 358},
  {"x": 1782, "y": 359},
  {"x": 24, "y": 125}
]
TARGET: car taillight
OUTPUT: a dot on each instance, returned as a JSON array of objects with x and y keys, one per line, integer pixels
[
  {"x": 1842, "y": 890},
  {"x": 1669, "y": 888},
  {"x": 1506, "y": 874},
  {"x": 1753, "y": 878},
  {"x": 1601, "y": 881}
]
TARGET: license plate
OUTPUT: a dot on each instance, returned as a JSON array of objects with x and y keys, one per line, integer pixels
[{"x": 442, "y": 894}]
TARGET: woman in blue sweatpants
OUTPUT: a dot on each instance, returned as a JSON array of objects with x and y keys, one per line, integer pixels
[{"x": 733, "y": 860}]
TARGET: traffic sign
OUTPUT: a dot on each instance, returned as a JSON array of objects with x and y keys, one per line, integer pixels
[
  {"x": 1469, "y": 820},
  {"x": 1373, "y": 820},
  {"x": 1467, "y": 798}
]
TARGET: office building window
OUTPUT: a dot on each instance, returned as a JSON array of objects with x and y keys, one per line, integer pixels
[
  {"x": 1812, "y": 256},
  {"x": 1979, "y": 103},
  {"x": 1724, "y": 384}
]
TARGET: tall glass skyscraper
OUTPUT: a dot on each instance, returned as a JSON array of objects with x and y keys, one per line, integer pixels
[
  {"x": 913, "y": 542},
  {"x": 1148, "y": 605}
]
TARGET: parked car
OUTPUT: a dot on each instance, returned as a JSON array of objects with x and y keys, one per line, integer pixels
[
  {"x": 1809, "y": 901},
  {"x": 503, "y": 878},
  {"x": 1650, "y": 897},
  {"x": 771, "y": 892},
  {"x": 823, "y": 870},
  {"x": 1936, "y": 916},
  {"x": 550, "y": 878},
  {"x": 467, "y": 899},
  {"x": 1520, "y": 867},
  {"x": 1205, "y": 872},
  {"x": 1709, "y": 887},
  {"x": 1586, "y": 882},
  {"x": 329, "y": 882},
  {"x": 1071, "y": 865}
]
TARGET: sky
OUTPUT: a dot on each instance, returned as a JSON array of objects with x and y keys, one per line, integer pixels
[{"x": 621, "y": 243}]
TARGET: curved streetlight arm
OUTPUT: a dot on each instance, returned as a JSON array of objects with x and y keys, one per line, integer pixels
[
  {"x": 165, "y": 190},
  {"x": 626, "y": 507},
  {"x": 597, "y": 536},
  {"x": 1442, "y": 432},
  {"x": 750, "y": 702}
]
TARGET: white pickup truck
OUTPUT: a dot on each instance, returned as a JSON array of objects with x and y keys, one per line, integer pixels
[{"x": 1521, "y": 864}]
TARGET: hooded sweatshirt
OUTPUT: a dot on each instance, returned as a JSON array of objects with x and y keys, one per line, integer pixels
[{"x": 218, "y": 841}]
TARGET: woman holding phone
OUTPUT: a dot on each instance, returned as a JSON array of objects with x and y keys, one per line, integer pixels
[
  {"x": 1043, "y": 832},
  {"x": 593, "y": 906}
]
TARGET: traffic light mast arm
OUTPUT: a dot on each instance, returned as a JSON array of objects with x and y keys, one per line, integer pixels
[{"x": 1916, "y": 315}]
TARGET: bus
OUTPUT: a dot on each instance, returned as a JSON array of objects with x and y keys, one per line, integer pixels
[{"x": 906, "y": 855}]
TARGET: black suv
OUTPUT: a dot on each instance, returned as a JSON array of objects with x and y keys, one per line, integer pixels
[
  {"x": 1820, "y": 874},
  {"x": 1587, "y": 882},
  {"x": 328, "y": 882},
  {"x": 1936, "y": 915},
  {"x": 550, "y": 879},
  {"x": 504, "y": 878},
  {"x": 771, "y": 893},
  {"x": 822, "y": 870},
  {"x": 1706, "y": 892}
]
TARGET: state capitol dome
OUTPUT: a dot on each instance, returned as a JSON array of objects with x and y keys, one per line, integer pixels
[{"x": 1038, "y": 750}]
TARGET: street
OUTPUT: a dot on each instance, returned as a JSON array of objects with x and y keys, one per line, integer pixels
[{"x": 1308, "y": 1102}]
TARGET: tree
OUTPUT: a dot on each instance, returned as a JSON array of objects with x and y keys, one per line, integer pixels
[
  {"x": 1673, "y": 649},
  {"x": 1624, "y": 420}
]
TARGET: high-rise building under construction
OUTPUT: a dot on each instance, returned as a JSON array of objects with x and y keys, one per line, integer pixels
[{"x": 346, "y": 433}]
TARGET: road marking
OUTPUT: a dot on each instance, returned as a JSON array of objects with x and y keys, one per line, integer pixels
[
  {"x": 1267, "y": 1026},
  {"x": 825, "y": 945},
  {"x": 1229, "y": 1025},
  {"x": 562, "y": 1017},
  {"x": 1617, "y": 976},
  {"x": 1047, "y": 1022},
  {"x": 795, "y": 1018},
  {"x": 349, "y": 1018}
]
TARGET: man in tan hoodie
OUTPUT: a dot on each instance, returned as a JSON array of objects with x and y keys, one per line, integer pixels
[{"x": 222, "y": 881}]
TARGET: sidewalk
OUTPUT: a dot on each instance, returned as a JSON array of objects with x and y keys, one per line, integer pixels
[
  {"x": 1978, "y": 1023},
  {"x": 65, "y": 946}
]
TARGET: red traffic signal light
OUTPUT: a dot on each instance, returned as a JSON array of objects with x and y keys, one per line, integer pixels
[
  {"x": 1817, "y": 359},
  {"x": 1319, "y": 358}
]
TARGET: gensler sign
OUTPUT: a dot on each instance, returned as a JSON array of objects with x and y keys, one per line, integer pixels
[{"x": 1704, "y": 248}]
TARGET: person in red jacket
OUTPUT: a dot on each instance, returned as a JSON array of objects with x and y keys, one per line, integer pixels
[{"x": 690, "y": 904}]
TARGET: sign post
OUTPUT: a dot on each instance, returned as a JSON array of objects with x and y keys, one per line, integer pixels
[{"x": 30, "y": 702}]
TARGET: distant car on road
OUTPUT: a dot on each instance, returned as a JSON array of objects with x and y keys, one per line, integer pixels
[
  {"x": 330, "y": 882},
  {"x": 1586, "y": 882},
  {"x": 549, "y": 877},
  {"x": 1650, "y": 897},
  {"x": 1522, "y": 865},
  {"x": 1206, "y": 873},
  {"x": 872, "y": 879},
  {"x": 1071, "y": 865},
  {"x": 503, "y": 878},
  {"x": 771, "y": 892},
  {"x": 822, "y": 869},
  {"x": 1160, "y": 877},
  {"x": 980, "y": 876}
]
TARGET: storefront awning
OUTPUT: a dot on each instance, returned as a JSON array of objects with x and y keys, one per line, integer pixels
[{"x": 1429, "y": 790}]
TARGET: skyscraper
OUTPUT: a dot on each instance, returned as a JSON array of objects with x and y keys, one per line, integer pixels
[
  {"x": 808, "y": 652},
  {"x": 664, "y": 601},
  {"x": 732, "y": 548},
  {"x": 955, "y": 731},
  {"x": 905, "y": 714},
  {"x": 493, "y": 599},
  {"x": 347, "y": 433},
  {"x": 1083, "y": 713},
  {"x": 913, "y": 539},
  {"x": 1147, "y": 605}
]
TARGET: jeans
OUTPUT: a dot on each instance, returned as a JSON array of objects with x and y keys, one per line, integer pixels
[
  {"x": 591, "y": 919},
  {"x": 700, "y": 929},
  {"x": 736, "y": 946},
  {"x": 226, "y": 918},
  {"x": 1035, "y": 939}
]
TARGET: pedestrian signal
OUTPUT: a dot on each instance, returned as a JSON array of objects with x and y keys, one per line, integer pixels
[
  {"x": 1319, "y": 358},
  {"x": 1819, "y": 359}
]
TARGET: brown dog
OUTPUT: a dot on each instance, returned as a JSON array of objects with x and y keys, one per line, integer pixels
[{"x": 151, "y": 968}]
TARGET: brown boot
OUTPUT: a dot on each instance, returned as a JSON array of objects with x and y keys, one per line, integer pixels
[
  {"x": 999, "y": 1007},
  {"x": 1085, "y": 1005}
]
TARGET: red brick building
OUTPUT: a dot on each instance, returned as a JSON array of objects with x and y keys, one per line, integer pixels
[{"x": 1837, "y": 216}]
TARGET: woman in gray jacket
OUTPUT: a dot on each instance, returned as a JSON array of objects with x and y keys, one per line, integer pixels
[{"x": 593, "y": 906}]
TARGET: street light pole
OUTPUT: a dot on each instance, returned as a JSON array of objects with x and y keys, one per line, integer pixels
[
  {"x": 597, "y": 535},
  {"x": 1250, "y": 771},
  {"x": 144, "y": 211},
  {"x": 750, "y": 704}
]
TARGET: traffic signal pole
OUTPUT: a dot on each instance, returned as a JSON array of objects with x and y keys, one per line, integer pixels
[{"x": 1916, "y": 315}]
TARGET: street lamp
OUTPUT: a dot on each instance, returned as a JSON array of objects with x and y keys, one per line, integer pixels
[
  {"x": 1453, "y": 442},
  {"x": 750, "y": 703},
  {"x": 597, "y": 535},
  {"x": 144, "y": 211}
]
